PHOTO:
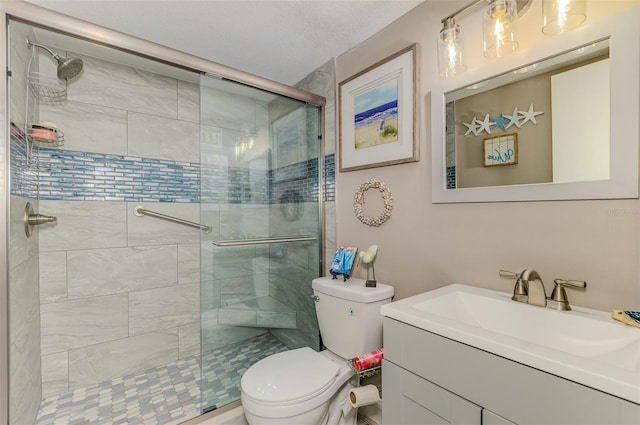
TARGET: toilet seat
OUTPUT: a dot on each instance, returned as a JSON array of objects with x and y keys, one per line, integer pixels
[{"x": 290, "y": 377}]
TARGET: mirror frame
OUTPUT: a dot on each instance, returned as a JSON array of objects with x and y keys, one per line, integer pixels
[{"x": 623, "y": 33}]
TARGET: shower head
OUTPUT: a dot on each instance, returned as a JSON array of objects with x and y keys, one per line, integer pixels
[{"x": 67, "y": 68}]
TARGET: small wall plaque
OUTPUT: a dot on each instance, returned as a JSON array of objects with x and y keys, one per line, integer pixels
[{"x": 501, "y": 150}]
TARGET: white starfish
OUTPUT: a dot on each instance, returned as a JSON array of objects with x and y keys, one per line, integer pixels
[
  {"x": 486, "y": 124},
  {"x": 513, "y": 119},
  {"x": 472, "y": 127},
  {"x": 530, "y": 115}
]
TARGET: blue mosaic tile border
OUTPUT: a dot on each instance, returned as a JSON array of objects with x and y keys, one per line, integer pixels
[
  {"x": 302, "y": 180},
  {"x": 451, "y": 177},
  {"x": 86, "y": 176},
  {"x": 99, "y": 177},
  {"x": 329, "y": 178}
]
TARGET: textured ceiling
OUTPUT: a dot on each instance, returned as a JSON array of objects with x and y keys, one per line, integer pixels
[{"x": 282, "y": 40}]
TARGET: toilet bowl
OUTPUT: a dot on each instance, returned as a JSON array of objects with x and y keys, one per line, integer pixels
[
  {"x": 297, "y": 387},
  {"x": 306, "y": 387}
]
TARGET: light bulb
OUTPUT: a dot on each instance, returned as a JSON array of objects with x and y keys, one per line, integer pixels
[{"x": 498, "y": 31}]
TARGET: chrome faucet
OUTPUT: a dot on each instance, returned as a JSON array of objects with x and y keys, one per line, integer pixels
[
  {"x": 536, "y": 294},
  {"x": 529, "y": 289}
]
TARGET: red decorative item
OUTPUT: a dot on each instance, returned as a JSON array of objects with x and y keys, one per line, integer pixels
[{"x": 368, "y": 360}]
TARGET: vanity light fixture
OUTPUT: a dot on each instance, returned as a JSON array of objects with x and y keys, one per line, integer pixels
[
  {"x": 450, "y": 46},
  {"x": 560, "y": 16},
  {"x": 499, "y": 29},
  {"x": 499, "y": 21}
]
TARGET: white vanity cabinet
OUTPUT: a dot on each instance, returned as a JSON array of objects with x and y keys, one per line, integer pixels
[
  {"x": 411, "y": 400},
  {"x": 430, "y": 379}
]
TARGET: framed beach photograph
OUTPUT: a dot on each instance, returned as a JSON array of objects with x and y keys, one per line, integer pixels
[{"x": 378, "y": 114}]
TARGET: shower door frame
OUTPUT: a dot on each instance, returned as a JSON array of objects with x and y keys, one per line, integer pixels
[
  {"x": 40, "y": 17},
  {"x": 4, "y": 234},
  {"x": 37, "y": 16}
]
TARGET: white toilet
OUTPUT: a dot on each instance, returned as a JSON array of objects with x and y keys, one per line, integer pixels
[{"x": 305, "y": 387}]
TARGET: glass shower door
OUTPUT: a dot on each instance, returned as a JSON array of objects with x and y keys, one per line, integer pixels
[{"x": 260, "y": 190}]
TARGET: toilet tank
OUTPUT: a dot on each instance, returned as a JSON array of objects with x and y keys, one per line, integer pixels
[{"x": 349, "y": 314}]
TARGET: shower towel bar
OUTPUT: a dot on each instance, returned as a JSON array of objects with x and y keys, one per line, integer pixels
[
  {"x": 139, "y": 211},
  {"x": 258, "y": 241}
]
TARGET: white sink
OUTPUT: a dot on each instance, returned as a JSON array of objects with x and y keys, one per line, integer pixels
[{"x": 583, "y": 345}]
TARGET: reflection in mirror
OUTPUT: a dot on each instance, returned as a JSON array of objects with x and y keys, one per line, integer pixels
[
  {"x": 547, "y": 122},
  {"x": 522, "y": 128}
]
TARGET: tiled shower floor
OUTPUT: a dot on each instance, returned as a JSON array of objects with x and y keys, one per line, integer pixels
[{"x": 162, "y": 395}]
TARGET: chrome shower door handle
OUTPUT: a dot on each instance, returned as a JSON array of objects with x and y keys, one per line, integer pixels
[{"x": 32, "y": 219}]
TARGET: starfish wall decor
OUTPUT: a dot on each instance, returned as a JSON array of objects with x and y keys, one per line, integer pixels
[{"x": 502, "y": 121}]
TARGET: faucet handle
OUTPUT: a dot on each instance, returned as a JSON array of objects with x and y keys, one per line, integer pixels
[
  {"x": 575, "y": 283},
  {"x": 559, "y": 295},
  {"x": 509, "y": 275},
  {"x": 520, "y": 289}
]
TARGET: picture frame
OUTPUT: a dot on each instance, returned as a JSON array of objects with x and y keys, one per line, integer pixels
[
  {"x": 378, "y": 109},
  {"x": 501, "y": 150},
  {"x": 287, "y": 131}
]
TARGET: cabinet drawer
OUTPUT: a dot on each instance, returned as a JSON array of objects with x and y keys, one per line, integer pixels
[
  {"x": 409, "y": 399},
  {"x": 490, "y": 418}
]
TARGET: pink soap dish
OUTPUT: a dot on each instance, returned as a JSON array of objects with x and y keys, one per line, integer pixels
[{"x": 46, "y": 136}]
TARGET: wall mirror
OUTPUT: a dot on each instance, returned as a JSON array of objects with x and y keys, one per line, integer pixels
[{"x": 559, "y": 121}]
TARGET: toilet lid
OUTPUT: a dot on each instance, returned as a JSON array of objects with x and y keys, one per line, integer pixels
[{"x": 289, "y": 376}]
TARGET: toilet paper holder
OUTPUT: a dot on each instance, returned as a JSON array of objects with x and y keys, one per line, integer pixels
[
  {"x": 365, "y": 373},
  {"x": 365, "y": 395}
]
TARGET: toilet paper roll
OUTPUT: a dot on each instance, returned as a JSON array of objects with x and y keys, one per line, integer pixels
[{"x": 364, "y": 396}]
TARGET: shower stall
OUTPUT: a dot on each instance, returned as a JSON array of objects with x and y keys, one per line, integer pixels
[{"x": 180, "y": 225}]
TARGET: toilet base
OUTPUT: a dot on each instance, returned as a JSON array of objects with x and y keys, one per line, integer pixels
[
  {"x": 317, "y": 416},
  {"x": 328, "y": 413}
]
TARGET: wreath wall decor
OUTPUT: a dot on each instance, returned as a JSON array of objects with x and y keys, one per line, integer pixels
[{"x": 358, "y": 202}]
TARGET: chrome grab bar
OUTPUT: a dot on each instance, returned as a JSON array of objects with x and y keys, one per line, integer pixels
[
  {"x": 139, "y": 211},
  {"x": 258, "y": 241}
]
